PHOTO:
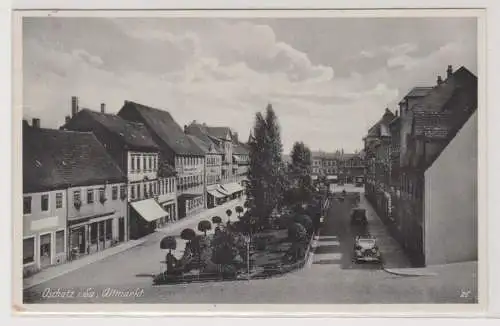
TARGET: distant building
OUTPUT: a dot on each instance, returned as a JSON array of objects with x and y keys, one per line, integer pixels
[
  {"x": 71, "y": 188},
  {"x": 177, "y": 150},
  {"x": 337, "y": 166},
  {"x": 151, "y": 196}
]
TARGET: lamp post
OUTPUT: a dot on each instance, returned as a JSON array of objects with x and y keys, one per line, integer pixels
[{"x": 247, "y": 240}]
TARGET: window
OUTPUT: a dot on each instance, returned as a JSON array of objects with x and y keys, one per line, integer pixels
[
  {"x": 93, "y": 233},
  {"x": 102, "y": 194},
  {"x": 145, "y": 190},
  {"x": 90, "y": 196},
  {"x": 150, "y": 189},
  {"x": 122, "y": 191},
  {"x": 59, "y": 200},
  {"x": 77, "y": 196},
  {"x": 60, "y": 242},
  {"x": 132, "y": 192},
  {"x": 138, "y": 163},
  {"x": 150, "y": 163},
  {"x": 45, "y": 203},
  {"x": 132, "y": 160},
  {"x": 27, "y": 205},
  {"x": 144, "y": 166},
  {"x": 109, "y": 229},
  {"x": 28, "y": 250},
  {"x": 138, "y": 191},
  {"x": 114, "y": 193}
]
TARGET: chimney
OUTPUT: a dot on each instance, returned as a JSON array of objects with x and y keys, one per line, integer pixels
[
  {"x": 439, "y": 80},
  {"x": 74, "y": 105},
  {"x": 67, "y": 118},
  {"x": 235, "y": 136},
  {"x": 449, "y": 71},
  {"x": 103, "y": 107},
  {"x": 36, "y": 123}
]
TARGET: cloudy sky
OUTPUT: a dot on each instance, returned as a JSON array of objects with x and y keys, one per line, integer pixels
[{"x": 328, "y": 79}]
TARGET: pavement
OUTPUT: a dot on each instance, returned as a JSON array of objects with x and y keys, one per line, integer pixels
[
  {"x": 329, "y": 277},
  {"x": 115, "y": 254}
]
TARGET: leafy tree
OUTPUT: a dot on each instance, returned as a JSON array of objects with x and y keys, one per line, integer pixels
[
  {"x": 239, "y": 210},
  {"x": 299, "y": 174},
  {"x": 204, "y": 226},
  {"x": 216, "y": 220},
  {"x": 229, "y": 213},
  {"x": 296, "y": 232},
  {"x": 305, "y": 221},
  {"x": 266, "y": 170},
  {"x": 188, "y": 234},
  {"x": 169, "y": 243}
]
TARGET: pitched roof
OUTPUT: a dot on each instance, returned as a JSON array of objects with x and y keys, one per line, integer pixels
[
  {"x": 433, "y": 125},
  {"x": 201, "y": 134},
  {"x": 240, "y": 149},
  {"x": 460, "y": 89},
  {"x": 219, "y": 132},
  {"x": 55, "y": 159},
  {"x": 132, "y": 133},
  {"x": 419, "y": 92},
  {"x": 162, "y": 124},
  {"x": 381, "y": 127}
]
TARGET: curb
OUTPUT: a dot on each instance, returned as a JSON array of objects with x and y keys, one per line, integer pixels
[
  {"x": 74, "y": 268},
  {"x": 392, "y": 272}
]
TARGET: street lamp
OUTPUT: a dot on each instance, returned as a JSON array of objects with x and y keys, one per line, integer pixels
[{"x": 247, "y": 241}]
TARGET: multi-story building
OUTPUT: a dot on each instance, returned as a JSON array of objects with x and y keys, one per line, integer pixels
[
  {"x": 151, "y": 195},
  {"x": 176, "y": 150},
  {"x": 71, "y": 188},
  {"x": 436, "y": 126},
  {"x": 337, "y": 166},
  {"x": 222, "y": 141},
  {"x": 241, "y": 162}
]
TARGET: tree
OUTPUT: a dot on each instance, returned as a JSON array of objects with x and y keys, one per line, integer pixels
[
  {"x": 229, "y": 213},
  {"x": 169, "y": 243},
  {"x": 204, "y": 226},
  {"x": 299, "y": 174},
  {"x": 188, "y": 234},
  {"x": 216, "y": 220},
  {"x": 239, "y": 210},
  {"x": 266, "y": 170},
  {"x": 296, "y": 232}
]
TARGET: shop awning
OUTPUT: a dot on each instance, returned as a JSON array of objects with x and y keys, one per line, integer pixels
[
  {"x": 331, "y": 177},
  {"x": 149, "y": 209},
  {"x": 216, "y": 193},
  {"x": 223, "y": 190},
  {"x": 233, "y": 187}
]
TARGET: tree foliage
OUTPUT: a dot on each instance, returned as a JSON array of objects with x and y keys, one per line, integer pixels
[
  {"x": 299, "y": 175},
  {"x": 216, "y": 220},
  {"x": 239, "y": 210},
  {"x": 188, "y": 234},
  {"x": 169, "y": 243},
  {"x": 204, "y": 226},
  {"x": 266, "y": 171}
]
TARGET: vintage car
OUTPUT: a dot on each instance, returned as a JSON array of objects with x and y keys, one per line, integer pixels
[
  {"x": 366, "y": 250},
  {"x": 358, "y": 216}
]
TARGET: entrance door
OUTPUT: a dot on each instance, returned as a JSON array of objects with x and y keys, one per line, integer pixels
[
  {"x": 45, "y": 250},
  {"x": 121, "y": 229}
]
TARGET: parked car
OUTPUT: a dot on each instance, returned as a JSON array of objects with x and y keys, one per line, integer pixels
[
  {"x": 366, "y": 250},
  {"x": 358, "y": 216}
]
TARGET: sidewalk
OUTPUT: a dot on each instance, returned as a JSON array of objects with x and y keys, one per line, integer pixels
[
  {"x": 55, "y": 271},
  {"x": 392, "y": 252},
  {"x": 170, "y": 229}
]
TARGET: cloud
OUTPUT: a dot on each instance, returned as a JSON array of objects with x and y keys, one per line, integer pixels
[{"x": 220, "y": 72}]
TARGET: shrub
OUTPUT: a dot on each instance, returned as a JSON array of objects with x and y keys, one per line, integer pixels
[
  {"x": 239, "y": 210},
  {"x": 204, "y": 226},
  {"x": 188, "y": 234},
  {"x": 296, "y": 232},
  {"x": 216, "y": 220},
  {"x": 169, "y": 243}
]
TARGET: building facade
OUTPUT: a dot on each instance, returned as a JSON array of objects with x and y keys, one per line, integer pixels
[
  {"x": 70, "y": 183},
  {"x": 178, "y": 152},
  {"x": 133, "y": 149}
]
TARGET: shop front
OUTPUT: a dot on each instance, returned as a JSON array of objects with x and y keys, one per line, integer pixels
[
  {"x": 170, "y": 208},
  {"x": 89, "y": 235},
  {"x": 190, "y": 204},
  {"x": 145, "y": 217},
  {"x": 215, "y": 196},
  {"x": 234, "y": 190}
]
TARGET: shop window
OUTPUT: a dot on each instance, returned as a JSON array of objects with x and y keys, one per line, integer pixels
[
  {"x": 27, "y": 205},
  {"x": 60, "y": 242},
  {"x": 109, "y": 229},
  {"x": 145, "y": 188},
  {"x": 93, "y": 233},
  {"x": 28, "y": 250},
  {"x": 45, "y": 203},
  {"x": 59, "y": 200},
  {"x": 132, "y": 192},
  {"x": 101, "y": 230},
  {"x": 114, "y": 193}
]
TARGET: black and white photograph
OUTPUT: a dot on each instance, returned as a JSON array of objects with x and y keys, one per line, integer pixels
[{"x": 249, "y": 159}]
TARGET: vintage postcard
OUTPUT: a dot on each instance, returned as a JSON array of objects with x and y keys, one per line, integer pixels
[{"x": 276, "y": 162}]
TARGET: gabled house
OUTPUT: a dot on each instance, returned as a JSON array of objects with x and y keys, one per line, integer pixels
[
  {"x": 151, "y": 197},
  {"x": 176, "y": 150},
  {"x": 71, "y": 188},
  {"x": 435, "y": 122}
]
